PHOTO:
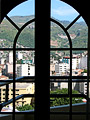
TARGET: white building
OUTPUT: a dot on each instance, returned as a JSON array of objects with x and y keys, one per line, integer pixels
[
  {"x": 25, "y": 70},
  {"x": 62, "y": 68},
  {"x": 2, "y": 60},
  {"x": 75, "y": 61},
  {"x": 83, "y": 62},
  {"x": 19, "y": 55},
  {"x": 9, "y": 68},
  {"x": 10, "y": 57}
]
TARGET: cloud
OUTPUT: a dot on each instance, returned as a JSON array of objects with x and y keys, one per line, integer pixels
[{"x": 64, "y": 11}]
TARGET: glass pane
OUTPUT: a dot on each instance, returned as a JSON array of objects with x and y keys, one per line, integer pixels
[
  {"x": 23, "y": 13},
  {"x": 24, "y": 103},
  {"x": 58, "y": 88},
  {"x": 25, "y": 63},
  {"x": 26, "y": 38},
  {"x": 59, "y": 117},
  {"x": 63, "y": 12},
  {"x": 59, "y": 63},
  {"x": 79, "y": 117},
  {"x": 60, "y": 104},
  {"x": 6, "y": 65},
  {"x": 24, "y": 116},
  {"x": 79, "y": 63},
  {"x": 80, "y": 31},
  {"x": 7, "y": 34},
  {"x": 58, "y": 38},
  {"x": 4, "y": 97},
  {"x": 5, "y": 116},
  {"x": 78, "y": 106},
  {"x": 79, "y": 88}
]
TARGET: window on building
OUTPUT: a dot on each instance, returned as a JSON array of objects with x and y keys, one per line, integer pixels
[
  {"x": 68, "y": 42},
  {"x": 67, "y": 30}
]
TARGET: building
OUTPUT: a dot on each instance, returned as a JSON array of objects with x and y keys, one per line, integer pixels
[
  {"x": 58, "y": 85},
  {"x": 83, "y": 62},
  {"x": 19, "y": 55},
  {"x": 2, "y": 60},
  {"x": 25, "y": 70},
  {"x": 21, "y": 88},
  {"x": 52, "y": 69},
  {"x": 62, "y": 68},
  {"x": 75, "y": 61},
  {"x": 9, "y": 58},
  {"x": 9, "y": 68}
]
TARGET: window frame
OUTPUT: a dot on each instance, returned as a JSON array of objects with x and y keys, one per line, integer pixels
[{"x": 38, "y": 22}]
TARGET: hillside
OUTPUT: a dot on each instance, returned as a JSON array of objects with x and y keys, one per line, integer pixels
[{"x": 78, "y": 33}]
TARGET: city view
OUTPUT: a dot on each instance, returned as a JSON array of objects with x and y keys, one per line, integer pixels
[{"x": 60, "y": 60}]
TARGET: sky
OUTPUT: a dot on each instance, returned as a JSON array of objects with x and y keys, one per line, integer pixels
[{"x": 59, "y": 10}]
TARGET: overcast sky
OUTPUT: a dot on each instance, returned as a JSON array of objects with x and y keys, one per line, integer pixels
[{"x": 59, "y": 10}]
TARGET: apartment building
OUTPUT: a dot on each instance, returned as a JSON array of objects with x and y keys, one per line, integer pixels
[
  {"x": 21, "y": 88},
  {"x": 75, "y": 61},
  {"x": 25, "y": 70},
  {"x": 62, "y": 68}
]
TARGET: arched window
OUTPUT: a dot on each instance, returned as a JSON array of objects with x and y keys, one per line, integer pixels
[
  {"x": 17, "y": 60},
  {"x": 54, "y": 49},
  {"x": 68, "y": 72}
]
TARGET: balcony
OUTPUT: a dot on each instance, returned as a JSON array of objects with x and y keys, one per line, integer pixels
[{"x": 76, "y": 108}]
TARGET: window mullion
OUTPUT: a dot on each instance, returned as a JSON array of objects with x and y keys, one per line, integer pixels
[{"x": 42, "y": 59}]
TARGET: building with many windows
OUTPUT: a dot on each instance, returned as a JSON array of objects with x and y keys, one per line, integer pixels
[
  {"x": 21, "y": 88},
  {"x": 25, "y": 70}
]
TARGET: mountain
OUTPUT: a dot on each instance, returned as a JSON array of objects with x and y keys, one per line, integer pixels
[
  {"x": 22, "y": 19},
  {"x": 78, "y": 33}
]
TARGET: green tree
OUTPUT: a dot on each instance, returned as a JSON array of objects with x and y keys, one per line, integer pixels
[
  {"x": 24, "y": 107},
  {"x": 64, "y": 100},
  {"x": 85, "y": 71}
]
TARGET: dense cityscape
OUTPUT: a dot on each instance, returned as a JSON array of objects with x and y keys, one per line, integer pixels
[{"x": 25, "y": 66}]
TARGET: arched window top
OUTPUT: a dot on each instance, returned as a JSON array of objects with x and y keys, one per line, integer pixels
[
  {"x": 14, "y": 22},
  {"x": 72, "y": 23}
]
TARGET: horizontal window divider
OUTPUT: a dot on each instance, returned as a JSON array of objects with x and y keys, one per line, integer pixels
[
  {"x": 6, "y": 49},
  {"x": 79, "y": 95},
  {"x": 8, "y": 113},
  {"x": 20, "y": 79}
]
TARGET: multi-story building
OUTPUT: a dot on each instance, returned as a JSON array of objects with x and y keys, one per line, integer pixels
[
  {"x": 58, "y": 85},
  {"x": 62, "y": 68},
  {"x": 21, "y": 88},
  {"x": 9, "y": 58},
  {"x": 19, "y": 55},
  {"x": 83, "y": 62},
  {"x": 25, "y": 70},
  {"x": 75, "y": 61}
]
